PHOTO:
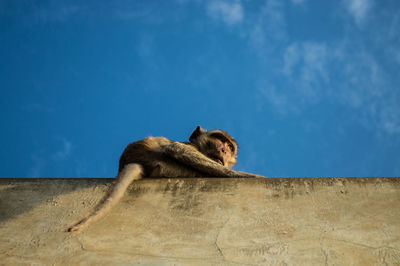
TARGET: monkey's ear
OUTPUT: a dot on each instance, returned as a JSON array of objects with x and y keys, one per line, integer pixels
[{"x": 196, "y": 133}]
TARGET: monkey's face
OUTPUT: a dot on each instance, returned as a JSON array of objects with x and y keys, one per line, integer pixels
[
  {"x": 216, "y": 145},
  {"x": 221, "y": 151}
]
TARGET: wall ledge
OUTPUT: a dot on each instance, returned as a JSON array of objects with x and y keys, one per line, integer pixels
[{"x": 204, "y": 221}]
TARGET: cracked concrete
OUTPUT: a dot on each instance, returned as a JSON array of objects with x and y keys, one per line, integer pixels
[
  {"x": 205, "y": 221},
  {"x": 217, "y": 237}
]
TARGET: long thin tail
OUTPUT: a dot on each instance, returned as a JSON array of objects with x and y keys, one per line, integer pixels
[{"x": 130, "y": 173}]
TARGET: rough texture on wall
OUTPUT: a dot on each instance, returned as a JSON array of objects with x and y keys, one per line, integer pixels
[{"x": 212, "y": 221}]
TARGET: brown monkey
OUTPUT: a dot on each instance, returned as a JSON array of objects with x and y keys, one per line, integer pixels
[{"x": 207, "y": 154}]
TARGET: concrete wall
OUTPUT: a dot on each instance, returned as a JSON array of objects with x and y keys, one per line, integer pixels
[{"x": 318, "y": 221}]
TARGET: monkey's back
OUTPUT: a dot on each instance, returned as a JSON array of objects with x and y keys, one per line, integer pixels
[{"x": 144, "y": 152}]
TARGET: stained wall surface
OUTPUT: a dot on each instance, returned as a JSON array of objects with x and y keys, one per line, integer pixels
[{"x": 210, "y": 221}]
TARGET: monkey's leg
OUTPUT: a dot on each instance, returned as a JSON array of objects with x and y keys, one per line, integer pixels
[
  {"x": 125, "y": 177},
  {"x": 200, "y": 162}
]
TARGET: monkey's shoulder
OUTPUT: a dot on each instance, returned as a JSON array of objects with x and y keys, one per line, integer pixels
[
  {"x": 154, "y": 142},
  {"x": 150, "y": 143},
  {"x": 157, "y": 145}
]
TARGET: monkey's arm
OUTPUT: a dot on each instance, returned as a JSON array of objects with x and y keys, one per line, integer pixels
[
  {"x": 245, "y": 174},
  {"x": 191, "y": 157}
]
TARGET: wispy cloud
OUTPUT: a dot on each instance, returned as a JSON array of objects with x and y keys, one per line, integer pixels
[
  {"x": 390, "y": 116},
  {"x": 267, "y": 30},
  {"x": 44, "y": 161},
  {"x": 343, "y": 71},
  {"x": 315, "y": 72},
  {"x": 39, "y": 163},
  {"x": 146, "y": 50},
  {"x": 305, "y": 68},
  {"x": 310, "y": 57},
  {"x": 370, "y": 91},
  {"x": 276, "y": 97},
  {"x": 358, "y": 9},
  {"x": 290, "y": 59},
  {"x": 64, "y": 151},
  {"x": 229, "y": 12},
  {"x": 395, "y": 54}
]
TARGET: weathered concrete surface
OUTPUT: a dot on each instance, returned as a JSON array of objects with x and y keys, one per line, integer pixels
[{"x": 319, "y": 221}]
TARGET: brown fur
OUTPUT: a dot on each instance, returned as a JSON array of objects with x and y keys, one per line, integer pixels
[{"x": 208, "y": 154}]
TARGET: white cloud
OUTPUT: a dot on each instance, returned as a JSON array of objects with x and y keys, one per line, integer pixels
[
  {"x": 229, "y": 12},
  {"x": 343, "y": 72},
  {"x": 313, "y": 72},
  {"x": 358, "y": 9}
]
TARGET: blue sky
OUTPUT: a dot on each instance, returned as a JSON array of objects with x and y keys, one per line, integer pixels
[{"x": 307, "y": 88}]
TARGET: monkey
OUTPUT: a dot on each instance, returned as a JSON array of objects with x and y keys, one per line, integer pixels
[{"x": 207, "y": 154}]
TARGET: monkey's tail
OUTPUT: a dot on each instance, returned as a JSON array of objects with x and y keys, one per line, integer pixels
[{"x": 130, "y": 173}]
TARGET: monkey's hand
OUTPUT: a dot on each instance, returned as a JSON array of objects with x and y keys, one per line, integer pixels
[
  {"x": 189, "y": 156},
  {"x": 245, "y": 174}
]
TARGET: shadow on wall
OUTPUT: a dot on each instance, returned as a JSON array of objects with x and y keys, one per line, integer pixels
[{"x": 20, "y": 195}]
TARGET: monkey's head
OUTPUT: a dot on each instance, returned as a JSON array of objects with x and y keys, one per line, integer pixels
[{"x": 216, "y": 145}]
